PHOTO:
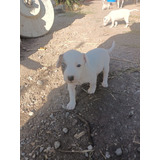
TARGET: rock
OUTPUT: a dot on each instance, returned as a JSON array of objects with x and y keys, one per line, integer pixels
[
  {"x": 23, "y": 154},
  {"x": 65, "y": 130},
  {"x": 57, "y": 144},
  {"x": 90, "y": 147},
  {"x": 67, "y": 114},
  {"x": 74, "y": 122},
  {"x": 33, "y": 156},
  {"x": 30, "y": 78},
  {"x": 131, "y": 113},
  {"x": 41, "y": 149},
  {"x": 39, "y": 82},
  {"x": 118, "y": 152},
  {"x": 30, "y": 113},
  {"x": 107, "y": 155},
  {"x": 51, "y": 116},
  {"x": 86, "y": 154}
]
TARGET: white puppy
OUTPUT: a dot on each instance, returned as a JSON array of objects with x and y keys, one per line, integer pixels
[
  {"x": 115, "y": 15},
  {"x": 79, "y": 68}
]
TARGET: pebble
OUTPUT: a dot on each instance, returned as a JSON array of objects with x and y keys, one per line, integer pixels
[
  {"x": 51, "y": 116},
  {"x": 67, "y": 114},
  {"x": 41, "y": 149},
  {"x": 74, "y": 122},
  {"x": 56, "y": 144},
  {"x": 86, "y": 154},
  {"x": 39, "y": 82},
  {"x": 90, "y": 147},
  {"x": 30, "y": 78},
  {"x": 107, "y": 155},
  {"x": 131, "y": 113},
  {"x": 23, "y": 154},
  {"x": 30, "y": 113},
  {"x": 65, "y": 130},
  {"x": 118, "y": 152}
]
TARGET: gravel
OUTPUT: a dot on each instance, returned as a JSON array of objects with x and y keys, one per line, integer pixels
[
  {"x": 57, "y": 144},
  {"x": 118, "y": 152},
  {"x": 30, "y": 113},
  {"x": 39, "y": 82},
  {"x": 90, "y": 147},
  {"x": 107, "y": 155},
  {"x": 131, "y": 113},
  {"x": 65, "y": 130}
]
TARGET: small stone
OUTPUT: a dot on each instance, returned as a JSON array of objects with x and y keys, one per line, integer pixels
[
  {"x": 51, "y": 116},
  {"x": 67, "y": 114},
  {"x": 90, "y": 147},
  {"x": 30, "y": 113},
  {"x": 107, "y": 155},
  {"x": 41, "y": 149},
  {"x": 23, "y": 154},
  {"x": 118, "y": 152},
  {"x": 74, "y": 122},
  {"x": 56, "y": 144},
  {"x": 65, "y": 130},
  {"x": 131, "y": 113},
  {"x": 34, "y": 156},
  {"x": 30, "y": 78},
  {"x": 39, "y": 82},
  {"x": 86, "y": 154}
]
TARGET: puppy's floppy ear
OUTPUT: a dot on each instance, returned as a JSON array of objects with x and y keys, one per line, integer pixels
[{"x": 59, "y": 62}]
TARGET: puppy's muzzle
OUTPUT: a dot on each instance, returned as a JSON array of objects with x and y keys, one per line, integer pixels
[{"x": 70, "y": 78}]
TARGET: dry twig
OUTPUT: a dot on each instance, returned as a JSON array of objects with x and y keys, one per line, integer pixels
[
  {"x": 73, "y": 151},
  {"x": 102, "y": 154}
]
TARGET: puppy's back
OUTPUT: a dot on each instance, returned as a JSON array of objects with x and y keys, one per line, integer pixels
[{"x": 97, "y": 58}]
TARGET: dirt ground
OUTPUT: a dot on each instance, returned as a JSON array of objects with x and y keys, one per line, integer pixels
[{"x": 101, "y": 123}]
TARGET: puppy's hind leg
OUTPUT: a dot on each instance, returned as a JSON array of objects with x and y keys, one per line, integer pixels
[
  {"x": 116, "y": 23},
  {"x": 92, "y": 84},
  {"x": 127, "y": 21},
  {"x": 105, "y": 76}
]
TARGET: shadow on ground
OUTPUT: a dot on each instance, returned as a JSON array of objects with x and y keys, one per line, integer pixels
[
  {"x": 30, "y": 45},
  {"x": 107, "y": 120}
]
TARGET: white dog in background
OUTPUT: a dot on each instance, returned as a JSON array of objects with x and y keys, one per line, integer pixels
[
  {"x": 79, "y": 68},
  {"x": 119, "y": 14}
]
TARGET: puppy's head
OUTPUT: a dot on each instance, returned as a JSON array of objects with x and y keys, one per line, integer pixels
[
  {"x": 72, "y": 64},
  {"x": 106, "y": 20}
]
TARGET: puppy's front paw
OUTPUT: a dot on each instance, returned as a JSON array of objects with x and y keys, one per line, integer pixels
[
  {"x": 105, "y": 84},
  {"x": 71, "y": 105}
]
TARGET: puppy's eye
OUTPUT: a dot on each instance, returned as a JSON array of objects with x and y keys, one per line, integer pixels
[{"x": 78, "y": 65}]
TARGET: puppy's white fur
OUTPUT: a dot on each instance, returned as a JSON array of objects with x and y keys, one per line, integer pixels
[
  {"x": 105, "y": 6},
  {"x": 119, "y": 14},
  {"x": 84, "y": 68}
]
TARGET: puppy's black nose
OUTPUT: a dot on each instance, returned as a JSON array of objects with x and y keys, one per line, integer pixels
[{"x": 70, "y": 78}]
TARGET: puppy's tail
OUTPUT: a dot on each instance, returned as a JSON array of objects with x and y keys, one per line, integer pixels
[
  {"x": 133, "y": 10},
  {"x": 111, "y": 49}
]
